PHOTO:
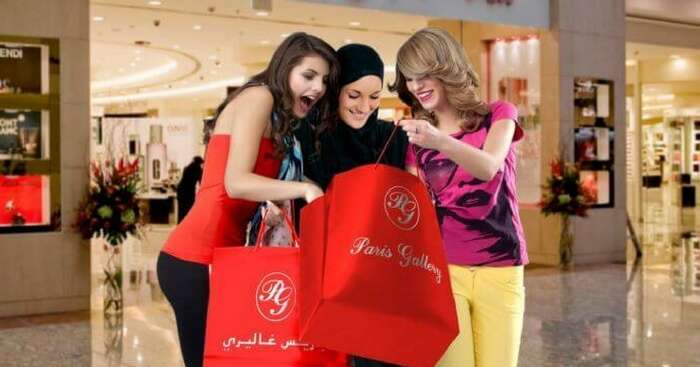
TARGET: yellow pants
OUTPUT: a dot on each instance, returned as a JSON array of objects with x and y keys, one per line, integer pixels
[{"x": 490, "y": 306}]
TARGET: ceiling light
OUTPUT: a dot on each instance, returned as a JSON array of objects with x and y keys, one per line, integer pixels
[
  {"x": 134, "y": 78},
  {"x": 98, "y": 18},
  {"x": 265, "y": 42},
  {"x": 630, "y": 62},
  {"x": 138, "y": 52},
  {"x": 197, "y": 27},
  {"x": 675, "y": 56},
  {"x": 284, "y": 35},
  {"x": 155, "y": 2},
  {"x": 262, "y": 13},
  {"x": 137, "y": 58},
  {"x": 221, "y": 84},
  {"x": 133, "y": 64},
  {"x": 354, "y": 24},
  {"x": 657, "y": 107},
  {"x": 348, "y": 41}
]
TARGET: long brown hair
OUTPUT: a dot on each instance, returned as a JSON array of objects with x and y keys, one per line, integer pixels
[
  {"x": 432, "y": 52},
  {"x": 288, "y": 55}
]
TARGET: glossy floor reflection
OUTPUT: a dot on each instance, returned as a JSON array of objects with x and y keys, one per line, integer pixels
[
  {"x": 610, "y": 315},
  {"x": 575, "y": 318}
]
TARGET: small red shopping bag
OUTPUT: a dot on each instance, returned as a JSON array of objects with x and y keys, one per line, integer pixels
[
  {"x": 374, "y": 274},
  {"x": 253, "y": 316}
]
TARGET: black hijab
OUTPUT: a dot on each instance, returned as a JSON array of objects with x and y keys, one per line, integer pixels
[{"x": 343, "y": 147}]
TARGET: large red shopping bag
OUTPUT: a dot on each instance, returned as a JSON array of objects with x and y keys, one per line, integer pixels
[
  {"x": 253, "y": 316},
  {"x": 374, "y": 274}
]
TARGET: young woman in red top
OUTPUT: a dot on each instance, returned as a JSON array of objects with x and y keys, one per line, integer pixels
[{"x": 253, "y": 132}]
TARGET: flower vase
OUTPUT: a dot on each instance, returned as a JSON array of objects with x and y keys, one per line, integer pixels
[
  {"x": 112, "y": 285},
  {"x": 566, "y": 242}
]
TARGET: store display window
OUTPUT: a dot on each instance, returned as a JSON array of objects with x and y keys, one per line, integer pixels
[
  {"x": 594, "y": 143},
  {"x": 30, "y": 177},
  {"x": 513, "y": 75}
]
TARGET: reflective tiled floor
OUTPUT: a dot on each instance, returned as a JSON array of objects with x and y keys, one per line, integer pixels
[{"x": 645, "y": 314}]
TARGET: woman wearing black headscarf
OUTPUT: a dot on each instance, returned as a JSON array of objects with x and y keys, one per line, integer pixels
[{"x": 354, "y": 136}]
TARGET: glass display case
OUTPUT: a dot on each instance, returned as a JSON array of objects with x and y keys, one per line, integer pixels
[
  {"x": 594, "y": 138},
  {"x": 30, "y": 163}
]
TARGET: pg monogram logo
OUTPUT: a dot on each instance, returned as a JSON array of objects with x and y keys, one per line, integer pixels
[
  {"x": 401, "y": 206},
  {"x": 276, "y": 297}
]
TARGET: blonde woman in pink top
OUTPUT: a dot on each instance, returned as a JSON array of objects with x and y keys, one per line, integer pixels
[{"x": 463, "y": 149}]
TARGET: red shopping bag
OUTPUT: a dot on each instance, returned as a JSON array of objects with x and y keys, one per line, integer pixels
[
  {"x": 374, "y": 274},
  {"x": 253, "y": 316}
]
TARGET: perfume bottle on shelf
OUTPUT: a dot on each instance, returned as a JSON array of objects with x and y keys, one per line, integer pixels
[
  {"x": 156, "y": 157},
  {"x": 134, "y": 150},
  {"x": 134, "y": 145}
]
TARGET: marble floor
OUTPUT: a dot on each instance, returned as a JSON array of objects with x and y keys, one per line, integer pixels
[{"x": 635, "y": 314}]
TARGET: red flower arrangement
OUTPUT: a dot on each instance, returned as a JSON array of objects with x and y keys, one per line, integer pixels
[
  {"x": 564, "y": 193},
  {"x": 110, "y": 209}
]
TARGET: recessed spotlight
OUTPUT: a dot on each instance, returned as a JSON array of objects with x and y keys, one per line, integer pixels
[
  {"x": 284, "y": 35},
  {"x": 354, "y": 24},
  {"x": 155, "y": 2},
  {"x": 177, "y": 47},
  {"x": 262, "y": 13},
  {"x": 197, "y": 27},
  {"x": 265, "y": 42},
  {"x": 98, "y": 18},
  {"x": 138, "y": 52},
  {"x": 348, "y": 41}
]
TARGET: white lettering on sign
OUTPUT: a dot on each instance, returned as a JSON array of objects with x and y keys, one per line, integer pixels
[
  {"x": 11, "y": 53},
  {"x": 9, "y": 126}
]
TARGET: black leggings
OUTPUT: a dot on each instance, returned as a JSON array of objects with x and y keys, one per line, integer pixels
[
  {"x": 364, "y": 362},
  {"x": 186, "y": 285}
]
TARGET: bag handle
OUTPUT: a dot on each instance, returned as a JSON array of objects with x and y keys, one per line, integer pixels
[
  {"x": 263, "y": 227},
  {"x": 386, "y": 145}
]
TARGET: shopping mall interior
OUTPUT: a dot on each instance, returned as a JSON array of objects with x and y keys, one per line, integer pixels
[{"x": 613, "y": 87}]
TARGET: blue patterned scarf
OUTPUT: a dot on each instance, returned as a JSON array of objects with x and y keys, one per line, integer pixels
[{"x": 291, "y": 169}]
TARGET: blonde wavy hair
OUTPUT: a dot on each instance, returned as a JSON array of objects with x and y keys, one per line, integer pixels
[{"x": 432, "y": 52}]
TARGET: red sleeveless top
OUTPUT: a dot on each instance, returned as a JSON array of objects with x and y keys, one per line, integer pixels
[{"x": 215, "y": 219}]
